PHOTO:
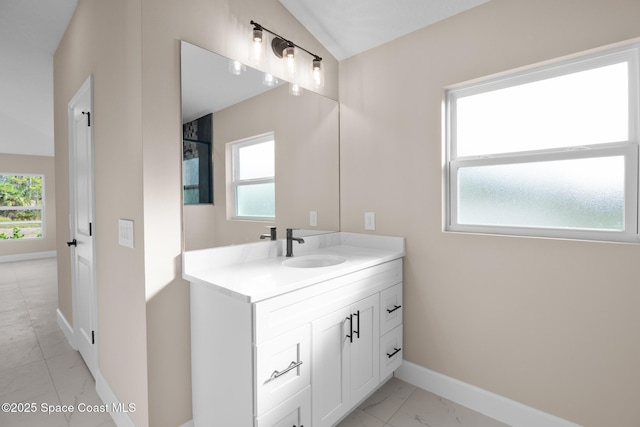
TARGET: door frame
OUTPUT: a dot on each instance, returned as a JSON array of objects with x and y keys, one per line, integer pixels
[{"x": 83, "y": 100}]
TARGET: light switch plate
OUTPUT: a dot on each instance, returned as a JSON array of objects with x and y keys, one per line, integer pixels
[
  {"x": 369, "y": 221},
  {"x": 313, "y": 218},
  {"x": 125, "y": 232}
]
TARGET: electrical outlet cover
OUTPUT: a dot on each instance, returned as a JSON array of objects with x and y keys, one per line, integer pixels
[
  {"x": 369, "y": 221},
  {"x": 125, "y": 232}
]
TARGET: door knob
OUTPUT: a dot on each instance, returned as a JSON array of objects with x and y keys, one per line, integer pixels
[{"x": 74, "y": 242}]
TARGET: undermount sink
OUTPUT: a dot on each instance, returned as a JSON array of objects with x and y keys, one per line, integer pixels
[{"x": 314, "y": 261}]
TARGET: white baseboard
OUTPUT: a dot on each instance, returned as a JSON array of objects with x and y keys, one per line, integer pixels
[
  {"x": 66, "y": 328},
  {"x": 480, "y": 400},
  {"x": 188, "y": 424},
  {"x": 28, "y": 256},
  {"x": 109, "y": 398}
]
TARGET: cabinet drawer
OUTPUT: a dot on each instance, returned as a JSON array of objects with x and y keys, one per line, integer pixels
[
  {"x": 295, "y": 411},
  {"x": 278, "y": 315},
  {"x": 283, "y": 368},
  {"x": 390, "y": 308},
  {"x": 390, "y": 352}
]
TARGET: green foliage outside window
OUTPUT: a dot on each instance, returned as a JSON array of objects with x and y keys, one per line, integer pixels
[{"x": 20, "y": 206}]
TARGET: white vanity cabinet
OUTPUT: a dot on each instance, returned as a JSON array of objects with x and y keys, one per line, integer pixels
[
  {"x": 302, "y": 358},
  {"x": 345, "y": 359}
]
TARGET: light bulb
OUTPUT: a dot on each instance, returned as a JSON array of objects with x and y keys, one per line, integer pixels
[
  {"x": 290, "y": 64},
  {"x": 257, "y": 54},
  {"x": 295, "y": 89},
  {"x": 269, "y": 80},
  {"x": 236, "y": 67}
]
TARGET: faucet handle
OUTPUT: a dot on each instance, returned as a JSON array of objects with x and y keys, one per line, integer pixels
[{"x": 272, "y": 233}]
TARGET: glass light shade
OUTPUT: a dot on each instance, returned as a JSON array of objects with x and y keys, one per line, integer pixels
[
  {"x": 295, "y": 89},
  {"x": 289, "y": 56},
  {"x": 236, "y": 67},
  {"x": 269, "y": 80},
  {"x": 257, "y": 53},
  {"x": 317, "y": 74}
]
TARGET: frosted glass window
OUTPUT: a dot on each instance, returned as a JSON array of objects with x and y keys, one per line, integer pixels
[
  {"x": 550, "y": 151},
  {"x": 256, "y": 200},
  {"x": 583, "y": 194},
  {"x": 587, "y": 107},
  {"x": 256, "y": 161}
]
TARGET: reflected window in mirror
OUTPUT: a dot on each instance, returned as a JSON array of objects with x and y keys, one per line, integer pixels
[
  {"x": 197, "y": 168},
  {"x": 251, "y": 186}
]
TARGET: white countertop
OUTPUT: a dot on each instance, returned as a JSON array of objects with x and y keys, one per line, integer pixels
[{"x": 254, "y": 272}]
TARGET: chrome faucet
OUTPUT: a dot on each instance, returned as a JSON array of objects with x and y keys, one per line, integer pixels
[
  {"x": 271, "y": 235},
  {"x": 290, "y": 240}
]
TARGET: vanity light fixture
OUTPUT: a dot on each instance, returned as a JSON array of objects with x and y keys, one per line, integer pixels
[
  {"x": 258, "y": 50},
  {"x": 236, "y": 67},
  {"x": 285, "y": 49},
  {"x": 295, "y": 89},
  {"x": 269, "y": 80}
]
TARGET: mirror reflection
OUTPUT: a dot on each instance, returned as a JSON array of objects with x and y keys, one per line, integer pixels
[{"x": 274, "y": 156}]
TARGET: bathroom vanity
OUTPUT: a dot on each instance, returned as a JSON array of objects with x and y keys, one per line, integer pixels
[{"x": 300, "y": 341}]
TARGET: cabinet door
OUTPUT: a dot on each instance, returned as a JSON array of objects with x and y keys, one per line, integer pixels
[
  {"x": 330, "y": 354},
  {"x": 295, "y": 411},
  {"x": 365, "y": 348}
]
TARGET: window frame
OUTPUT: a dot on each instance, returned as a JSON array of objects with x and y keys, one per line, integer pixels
[
  {"x": 233, "y": 176},
  {"x": 40, "y": 207},
  {"x": 628, "y": 52}
]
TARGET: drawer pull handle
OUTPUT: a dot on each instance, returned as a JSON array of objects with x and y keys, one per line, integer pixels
[
  {"x": 351, "y": 331},
  {"x": 277, "y": 374},
  {"x": 395, "y": 307},
  {"x": 396, "y": 350},
  {"x": 357, "y": 324},
  {"x": 350, "y": 334}
]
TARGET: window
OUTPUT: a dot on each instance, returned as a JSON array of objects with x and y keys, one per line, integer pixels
[
  {"x": 21, "y": 206},
  {"x": 550, "y": 151},
  {"x": 251, "y": 181},
  {"x": 196, "y": 172}
]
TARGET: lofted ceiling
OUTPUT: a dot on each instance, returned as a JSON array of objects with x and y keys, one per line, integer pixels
[
  {"x": 30, "y": 31},
  {"x": 349, "y": 27}
]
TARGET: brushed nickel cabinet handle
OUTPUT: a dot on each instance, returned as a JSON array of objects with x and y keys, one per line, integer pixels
[{"x": 277, "y": 374}]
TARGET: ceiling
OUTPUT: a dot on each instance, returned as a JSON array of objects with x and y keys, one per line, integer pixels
[
  {"x": 208, "y": 86},
  {"x": 349, "y": 27},
  {"x": 30, "y": 31}
]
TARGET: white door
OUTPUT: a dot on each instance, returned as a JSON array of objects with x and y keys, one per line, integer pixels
[{"x": 82, "y": 239}]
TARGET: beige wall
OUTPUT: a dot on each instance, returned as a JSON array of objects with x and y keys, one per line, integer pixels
[
  {"x": 37, "y": 165},
  {"x": 103, "y": 39},
  {"x": 307, "y": 166},
  {"x": 132, "y": 48},
  {"x": 549, "y": 323}
]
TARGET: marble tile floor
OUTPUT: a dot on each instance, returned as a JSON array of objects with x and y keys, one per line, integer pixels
[
  {"x": 400, "y": 404},
  {"x": 37, "y": 364}
]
